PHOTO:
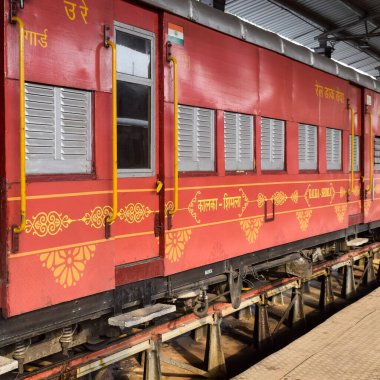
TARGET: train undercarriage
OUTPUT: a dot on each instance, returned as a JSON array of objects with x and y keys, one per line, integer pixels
[{"x": 201, "y": 296}]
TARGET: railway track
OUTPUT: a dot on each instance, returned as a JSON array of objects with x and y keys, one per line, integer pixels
[{"x": 342, "y": 273}]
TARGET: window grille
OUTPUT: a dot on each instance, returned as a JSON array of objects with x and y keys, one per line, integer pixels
[
  {"x": 333, "y": 149},
  {"x": 238, "y": 141},
  {"x": 356, "y": 153},
  {"x": 272, "y": 144},
  {"x": 196, "y": 139},
  {"x": 58, "y": 130},
  {"x": 307, "y": 147},
  {"x": 377, "y": 153}
]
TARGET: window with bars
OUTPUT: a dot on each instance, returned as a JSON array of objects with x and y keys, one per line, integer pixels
[
  {"x": 333, "y": 149},
  {"x": 377, "y": 153},
  {"x": 272, "y": 144},
  {"x": 196, "y": 139},
  {"x": 57, "y": 129},
  {"x": 356, "y": 153},
  {"x": 307, "y": 147},
  {"x": 238, "y": 141}
]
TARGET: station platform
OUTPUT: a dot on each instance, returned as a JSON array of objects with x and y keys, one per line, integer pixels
[{"x": 345, "y": 346}]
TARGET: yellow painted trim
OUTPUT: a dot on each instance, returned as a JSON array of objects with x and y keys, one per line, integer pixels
[
  {"x": 175, "y": 104},
  {"x": 21, "y": 226},
  {"x": 152, "y": 190},
  {"x": 371, "y": 153},
  {"x": 196, "y": 226},
  {"x": 111, "y": 218},
  {"x": 352, "y": 168}
]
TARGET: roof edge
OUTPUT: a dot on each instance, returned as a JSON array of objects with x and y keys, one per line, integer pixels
[{"x": 235, "y": 27}]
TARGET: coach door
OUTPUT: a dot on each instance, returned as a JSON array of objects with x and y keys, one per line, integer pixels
[
  {"x": 137, "y": 133},
  {"x": 356, "y": 152}
]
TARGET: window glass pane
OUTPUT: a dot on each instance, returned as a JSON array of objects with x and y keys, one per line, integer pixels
[
  {"x": 133, "y": 55},
  {"x": 133, "y": 125}
]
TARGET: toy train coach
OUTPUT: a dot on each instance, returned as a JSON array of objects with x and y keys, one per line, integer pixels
[{"x": 155, "y": 150}]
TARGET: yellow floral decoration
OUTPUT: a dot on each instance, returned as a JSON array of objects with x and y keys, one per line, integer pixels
[
  {"x": 134, "y": 213},
  {"x": 251, "y": 228},
  {"x": 340, "y": 211},
  {"x": 175, "y": 244},
  {"x": 44, "y": 224},
  {"x": 303, "y": 218},
  {"x": 68, "y": 266},
  {"x": 97, "y": 216},
  {"x": 367, "y": 206}
]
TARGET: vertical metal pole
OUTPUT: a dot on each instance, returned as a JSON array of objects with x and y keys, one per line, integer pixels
[
  {"x": 369, "y": 277},
  {"x": 326, "y": 297},
  {"x": 261, "y": 333},
  {"x": 152, "y": 366},
  {"x": 214, "y": 356},
  {"x": 348, "y": 288},
  {"x": 297, "y": 314}
]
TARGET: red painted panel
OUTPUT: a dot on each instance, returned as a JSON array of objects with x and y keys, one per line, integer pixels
[
  {"x": 276, "y": 90},
  {"x": 68, "y": 49},
  {"x": 215, "y": 71},
  {"x": 44, "y": 279}
]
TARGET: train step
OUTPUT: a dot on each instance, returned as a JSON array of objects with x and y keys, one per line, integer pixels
[
  {"x": 136, "y": 317},
  {"x": 7, "y": 365},
  {"x": 357, "y": 242}
]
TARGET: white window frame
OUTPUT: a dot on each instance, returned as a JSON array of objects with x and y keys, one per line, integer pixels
[{"x": 151, "y": 82}]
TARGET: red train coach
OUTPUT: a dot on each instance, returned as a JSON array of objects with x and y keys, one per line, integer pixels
[{"x": 145, "y": 153}]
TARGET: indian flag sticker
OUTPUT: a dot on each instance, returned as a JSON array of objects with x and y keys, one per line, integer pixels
[{"x": 175, "y": 34}]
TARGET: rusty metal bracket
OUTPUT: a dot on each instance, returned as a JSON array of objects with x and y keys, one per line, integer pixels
[
  {"x": 15, "y": 240},
  {"x": 107, "y": 228},
  {"x": 106, "y": 34},
  {"x": 271, "y": 219},
  {"x": 14, "y": 7}
]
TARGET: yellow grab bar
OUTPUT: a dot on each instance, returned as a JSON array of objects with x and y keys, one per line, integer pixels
[
  {"x": 175, "y": 75},
  {"x": 111, "y": 218},
  {"x": 21, "y": 226},
  {"x": 370, "y": 187},
  {"x": 352, "y": 168}
]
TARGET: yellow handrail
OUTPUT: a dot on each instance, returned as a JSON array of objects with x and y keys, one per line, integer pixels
[
  {"x": 352, "y": 150},
  {"x": 369, "y": 188},
  {"x": 111, "y": 218},
  {"x": 21, "y": 226},
  {"x": 175, "y": 75}
]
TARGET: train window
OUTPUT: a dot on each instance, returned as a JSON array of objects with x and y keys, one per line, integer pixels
[
  {"x": 135, "y": 101},
  {"x": 58, "y": 130},
  {"x": 377, "y": 153},
  {"x": 272, "y": 144},
  {"x": 333, "y": 149},
  {"x": 196, "y": 139},
  {"x": 307, "y": 147},
  {"x": 356, "y": 153},
  {"x": 238, "y": 141}
]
